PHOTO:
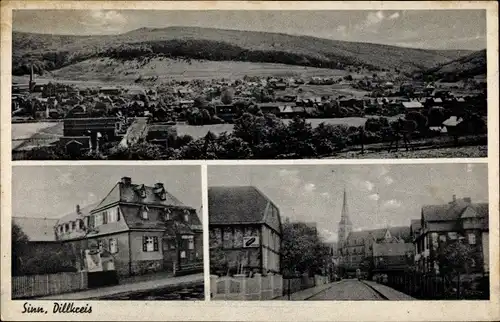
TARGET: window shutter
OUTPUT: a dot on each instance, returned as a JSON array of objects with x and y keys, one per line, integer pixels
[
  {"x": 118, "y": 212},
  {"x": 144, "y": 244},
  {"x": 155, "y": 243}
]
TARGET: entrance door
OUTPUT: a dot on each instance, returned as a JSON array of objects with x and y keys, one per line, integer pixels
[{"x": 169, "y": 254}]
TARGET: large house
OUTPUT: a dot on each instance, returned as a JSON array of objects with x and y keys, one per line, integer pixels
[
  {"x": 460, "y": 220},
  {"x": 361, "y": 245},
  {"x": 245, "y": 226},
  {"x": 142, "y": 228}
]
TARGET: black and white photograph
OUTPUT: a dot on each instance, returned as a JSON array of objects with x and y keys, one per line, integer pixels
[
  {"x": 400, "y": 232},
  {"x": 248, "y": 84},
  {"x": 107, "y": 233}
]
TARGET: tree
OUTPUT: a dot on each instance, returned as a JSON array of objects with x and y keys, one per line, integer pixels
[
  {"x": 455, "y": 259},
  {"x": 227, "y": 96},
  {"x": 302, "y": 249},
  {"x": 200, "y": 102},
  {"x": 19, "y": 241}
]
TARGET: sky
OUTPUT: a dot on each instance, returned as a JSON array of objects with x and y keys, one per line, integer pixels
[
  {"x": 54, "y": 191},
  {"x": 426, "y": 29},
  {"x": 377, "y": 195}
]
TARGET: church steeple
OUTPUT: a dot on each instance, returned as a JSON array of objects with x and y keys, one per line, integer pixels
[{"x": 345, "y": 225}]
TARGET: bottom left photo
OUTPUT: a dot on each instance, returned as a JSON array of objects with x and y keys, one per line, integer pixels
[{"x": 102, "y": 232}]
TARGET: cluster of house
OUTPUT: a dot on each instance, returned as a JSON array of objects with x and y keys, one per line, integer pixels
[
  {"x": 396, "y": 249},
  {"x": 139, "y": 228}
]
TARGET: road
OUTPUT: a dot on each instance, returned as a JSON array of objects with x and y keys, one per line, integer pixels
[{"x": 348, "y": 290}]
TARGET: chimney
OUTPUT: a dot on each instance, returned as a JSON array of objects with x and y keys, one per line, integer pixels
[
  {"x": 126, "y": 181},
  {"x": 78, "y": 209},
  {"x": 454, "y": 198},
  {"x": 467, "y": 199}
]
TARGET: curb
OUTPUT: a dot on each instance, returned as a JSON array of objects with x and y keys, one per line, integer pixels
[{"x": 376, "y": 291}]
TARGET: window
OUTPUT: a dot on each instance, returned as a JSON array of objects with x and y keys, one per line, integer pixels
[
  {"x": 149, "y": 244},
  {"x": 66, "y": 228},
  {"x": 452, "y": 235},
  {"x": 191, "y": 243},
  {"x": 186, "y": 216},
  {"x": 183, "y": 254},
  {"x": 167, "y": 215},
  {"x": 172, "y": 245},
  {"x": 442, "y": 238},
  {"x": 98, "y": 220},
  {"x": 100, "y": 245},
  {"x": 472, "y": 239},
  {"x": 73, "y": 225},
  {"x": 104, "y": 217},
  {"x": 91, "y": 221},
  {"x": 80, "y": 224},
  {"x": 144, "y": 214},
  {"x": 61, "y": 229},
  {"x": 113, "y": 246}
]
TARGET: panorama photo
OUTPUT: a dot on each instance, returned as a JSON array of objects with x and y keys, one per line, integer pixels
[{"x": 169, "y": 85}]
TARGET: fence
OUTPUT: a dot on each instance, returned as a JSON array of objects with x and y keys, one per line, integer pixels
[
  {"x": 51, "y": 284},
  {"x": 241, "y": 287},
  {"x": 437, "y": 287},
  {"x": 295, "y": 284}
]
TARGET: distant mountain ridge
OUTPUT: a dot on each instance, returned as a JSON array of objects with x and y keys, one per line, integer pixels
[
  {"x": 49, "y": 52},
  {"x": 468, "y": 66}
]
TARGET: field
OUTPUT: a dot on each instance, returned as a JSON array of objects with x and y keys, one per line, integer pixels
[
  {"x": 454, "y": 152},
  {"x": 23, "y": 133},
  {"x": 107, "y": 69}
]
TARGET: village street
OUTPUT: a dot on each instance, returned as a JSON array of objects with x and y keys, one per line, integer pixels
[
  {"x": 354, "y": 290},
  {"x": 348, "y": 290}
]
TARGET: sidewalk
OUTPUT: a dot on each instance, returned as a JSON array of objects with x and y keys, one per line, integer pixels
[
  {"x": 305, "y": 294},
  {"x": 390, "y": 293},
  {"x": 157, "y": 283}
]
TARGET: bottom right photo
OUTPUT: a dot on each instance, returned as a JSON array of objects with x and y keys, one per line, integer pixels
[{"x": 349, "y": 232}]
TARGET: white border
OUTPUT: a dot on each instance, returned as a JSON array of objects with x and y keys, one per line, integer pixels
[{"x": 271, "y": 310}]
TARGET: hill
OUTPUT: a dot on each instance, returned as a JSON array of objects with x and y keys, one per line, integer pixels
[
  {"x": 465, "y": 67},
  {"x": 49, "y": 52}
]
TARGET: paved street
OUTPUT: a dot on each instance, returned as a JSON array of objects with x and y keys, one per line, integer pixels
[{"x": 348, "y": 290}]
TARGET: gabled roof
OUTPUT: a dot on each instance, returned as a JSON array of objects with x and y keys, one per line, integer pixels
[
  {"x": 37, "y": 229},
  {"x": 412, "y": 104},
  {"x": 379, "y": 234},
  {"x": 229, "y": 205},
  {"x": 453, "y": 211},
  {"x": 72, "y": 216},
  {"x": 416, "y": 224},
  {"x": 392, "y": 249}
]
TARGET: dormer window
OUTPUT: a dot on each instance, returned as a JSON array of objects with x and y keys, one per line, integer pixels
[
  {"x": 144, "y": 213},
  {"x": 186, "y": 216},
  {"x": 163, "y": 195},
  {"x": 73, "y": 225},
  {"x": 141, "y": 191},
  {"x": 168, "y": 214}
]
